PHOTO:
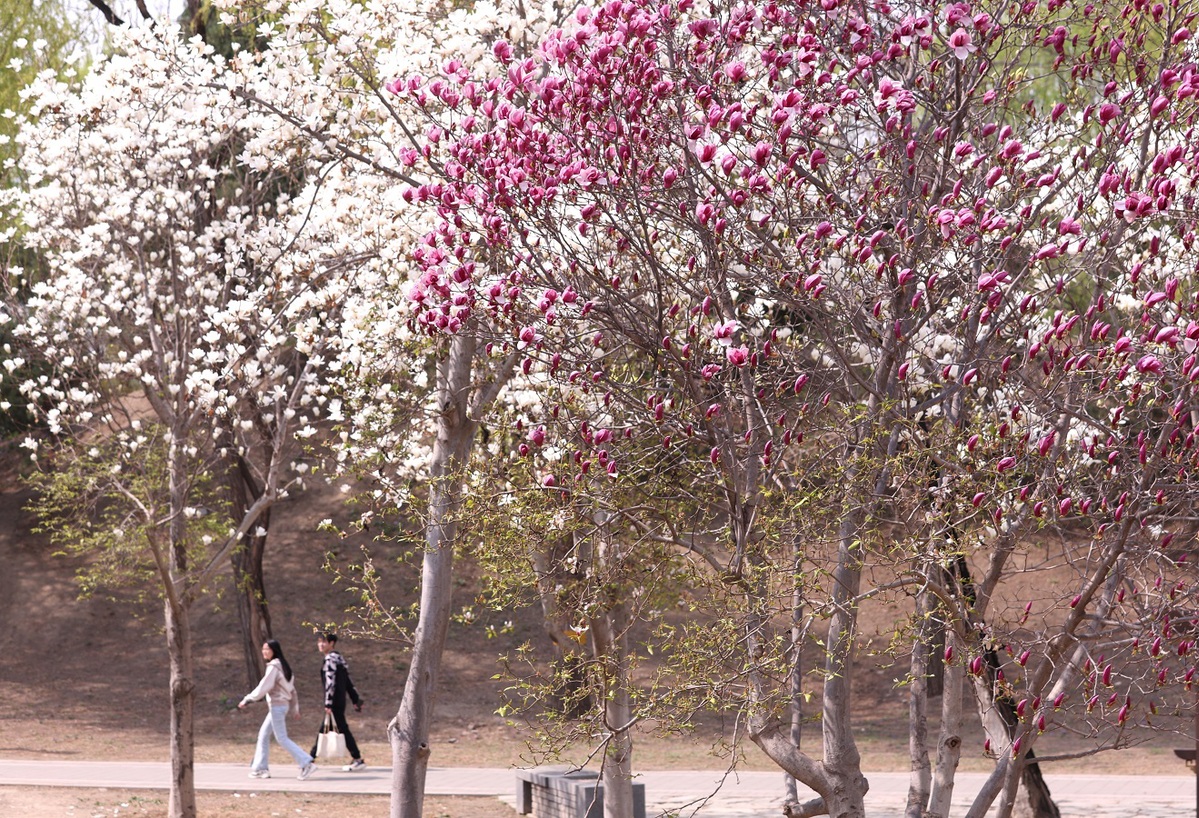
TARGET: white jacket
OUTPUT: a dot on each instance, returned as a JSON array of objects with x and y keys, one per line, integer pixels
[{"x": 278, "y": 690}]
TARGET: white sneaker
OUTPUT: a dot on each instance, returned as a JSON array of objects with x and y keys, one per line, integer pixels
[
  {"x": 354, "y": 766},
  {"x": 307, "y": 770},
  {"x": 260, "y": 773}
]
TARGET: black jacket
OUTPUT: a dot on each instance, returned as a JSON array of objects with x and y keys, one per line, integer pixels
[{"x": 336, "y": 676}]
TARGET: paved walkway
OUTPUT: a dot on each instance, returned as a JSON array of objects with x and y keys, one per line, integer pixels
[{"x": 741, "y": 795}]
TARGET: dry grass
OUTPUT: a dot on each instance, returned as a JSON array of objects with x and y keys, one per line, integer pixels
[{"x": 43, "y": 802}]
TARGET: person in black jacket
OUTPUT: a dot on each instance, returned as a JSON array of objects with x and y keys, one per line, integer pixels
[{"x": 335, "y": 675}]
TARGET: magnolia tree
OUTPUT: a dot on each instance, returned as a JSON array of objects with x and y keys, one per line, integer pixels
[
  {"x": 910, "y": 280},
  {"x": 168, "y": 320},
  {"x": 36, "y": 38},
  {"x": 411, "y": 405}
]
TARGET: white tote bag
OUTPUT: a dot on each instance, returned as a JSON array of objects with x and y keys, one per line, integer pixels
[{"x": 330, "y": 745}]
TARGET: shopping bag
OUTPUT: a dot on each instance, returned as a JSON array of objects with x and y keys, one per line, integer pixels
[{"x": 330, "y": 744}]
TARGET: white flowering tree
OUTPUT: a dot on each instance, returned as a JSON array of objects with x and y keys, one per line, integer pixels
[
  {"x": 168, "y": 321},
  {"x": 35, "y": 37}
]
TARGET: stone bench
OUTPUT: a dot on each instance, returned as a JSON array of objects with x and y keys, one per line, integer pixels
[{"x": 559, "y": 792}]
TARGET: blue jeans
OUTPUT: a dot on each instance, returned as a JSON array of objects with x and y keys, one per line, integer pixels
[{"x": 276, "y": 722}]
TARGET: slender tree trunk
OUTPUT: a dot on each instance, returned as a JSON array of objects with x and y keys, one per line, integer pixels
[
  {"x": 611, "y": 647},
  {"x": 998, "y": 713},
  {"x": 797, "y": 633},
  {"x": 177, "y": 621},
  {"x": 921, "y": 774},
  {"x": 949, "y": 742},
  {"x": 1032, "y": 800},
  {"x": 842, "y": 762},
  {"x": 253, "y": 615},
  {"x": 410, "y": 729},
  {"x": 570, "y": 697},
  {"x": 249, "y": 579},
  {"x": 182, "y": 802}
]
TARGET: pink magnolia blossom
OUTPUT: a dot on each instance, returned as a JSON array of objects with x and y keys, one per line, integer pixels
[
  {"x": 723, "y": 333},
  {"x": 528, "y": 335},
  {"x": 1149, "y": 363},
  {"x": 961, "y": 44},
  {"x": 737, "y": 356}
]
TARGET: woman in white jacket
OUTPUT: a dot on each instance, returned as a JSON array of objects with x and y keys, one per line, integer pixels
[{"x": 281, "y": 700}]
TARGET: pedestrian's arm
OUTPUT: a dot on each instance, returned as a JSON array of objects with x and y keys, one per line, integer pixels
[
  {"x": 352, "y": 691},
  {"x": 268, "y": 681}
]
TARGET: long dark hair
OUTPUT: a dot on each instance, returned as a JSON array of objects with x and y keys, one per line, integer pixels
[{"x": 277, "y": 653}]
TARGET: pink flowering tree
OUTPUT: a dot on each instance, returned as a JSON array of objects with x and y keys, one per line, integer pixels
[
  {"x": 920, "y": 269},
  {"x": 411, "y": 407}
]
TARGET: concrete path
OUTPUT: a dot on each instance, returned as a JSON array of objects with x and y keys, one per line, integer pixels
[{"x": 737, "y": 796}]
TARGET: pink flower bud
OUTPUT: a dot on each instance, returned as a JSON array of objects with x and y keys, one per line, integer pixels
[{"x": 1046, "y": 443}]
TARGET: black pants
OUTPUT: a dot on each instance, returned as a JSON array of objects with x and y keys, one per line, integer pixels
[{"x": 339, "y": 718}]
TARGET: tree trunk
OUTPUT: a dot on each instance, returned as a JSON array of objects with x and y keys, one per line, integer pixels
[
  {"x": 1001, "y": 724},
  {"x": 409, "y": 730},
  {"x": 921, "y": 772},
  {"x": 949, "y": 743},
  {"x": 182, "y": 803},
  {"x": 796, "y": 668},
  {"x": 570, "y": 698},
  {"x": 249, "y": 580},
  {"x": 611, "y": 649},
  {"x": 842, "y": 762},
  {"x": 1037, "y": 798},
  {"x": 1032, "y": 799},
  {"x": 253, "y": 615}
]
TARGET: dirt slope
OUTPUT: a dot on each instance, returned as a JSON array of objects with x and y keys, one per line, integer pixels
[{"x": 87, "y": 678}]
